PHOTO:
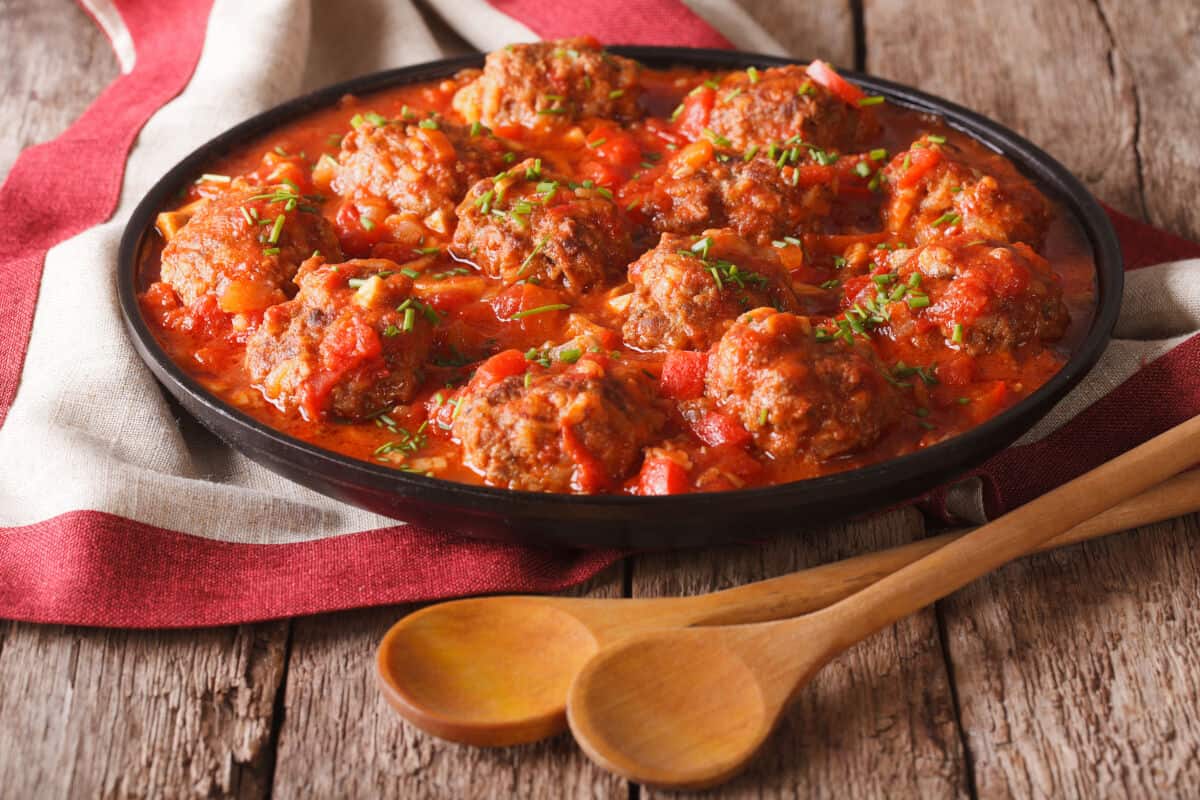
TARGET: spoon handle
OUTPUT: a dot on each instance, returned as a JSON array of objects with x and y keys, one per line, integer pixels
[
  {"x": 1019, "y": 532},
  {"x": 815, "y": 588}
]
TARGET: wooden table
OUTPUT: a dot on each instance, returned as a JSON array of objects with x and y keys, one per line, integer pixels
[{"x": 1075, "y": 673}]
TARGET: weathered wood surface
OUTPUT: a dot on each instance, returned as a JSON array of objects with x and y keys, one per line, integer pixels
[
  {"x": 340, "y": 738},
  {"x": 1071, "y": 674}
]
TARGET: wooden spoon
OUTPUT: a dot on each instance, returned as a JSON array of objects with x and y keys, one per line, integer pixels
[
  {"x": 689, "y": 707},
  {"x": 495, "y": 670}
]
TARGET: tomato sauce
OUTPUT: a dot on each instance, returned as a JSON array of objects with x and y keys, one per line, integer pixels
[{"x": 940, "y": 391}]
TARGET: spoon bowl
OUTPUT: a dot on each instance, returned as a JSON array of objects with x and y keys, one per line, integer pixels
[
  {"x": 470, "y": 683},
  {"x": 703, "y": 749}
]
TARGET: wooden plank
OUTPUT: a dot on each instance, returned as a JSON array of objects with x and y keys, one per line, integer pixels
[
  {"x": 1079, "y": 670},
  {"x": 1043, "y": 69},
  {"x": 1158, "y": 44},
  {"x": 1074, "y": 670},
  {"x": 340, "y": 738},
  {"x": 808, "y": 30},
  {"x": 64, "y": 61},
  {"x": 104, "y": 713},
  {"x": 877, "y": 722}
]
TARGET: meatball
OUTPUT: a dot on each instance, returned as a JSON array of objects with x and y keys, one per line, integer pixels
[
  {"x": 979, "y": 297},
  {"x": 795, "y": 394},
  {"x": 704, "y": 187},
  {"x": 571, "y": 428},
  {"x": 753, "y": 107},
  {"x": 930, "y": 194},
  {"x": 688, "y": 289},
  {"x": 351, "y": 343},
  {"x": 245, "y": 246},
  {"x": 420, "y": 170},
  {"x": 548, "y": 84},
  {"x": 526, "y": 223}
]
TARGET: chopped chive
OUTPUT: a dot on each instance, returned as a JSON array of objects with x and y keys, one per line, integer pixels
[
  {"x": 839, "y": 262},
  {"x": 957, "y": 338},
  {"x": 711, "y": 84},
  {"x": 914, "y": 280},
  {"x": 428, "y": 124},
  {"x": 831, "y": 284},
  {"x": 878, "y": 154},
  {"x": 949, "y": 217},
  {"x": 751, "y": 151},
  {"x": 410, "y": 317},
  {"x": 752, "y": 73},
  {"x": 367, "y": 223},
  {"x": 615, "y": 93},
  {"x": 873, "y": 100},
  {"x": 532, "y": 254},
  {"x": 390, "y": 331},
  {"x": 529, "y": 312},
  {"x": 410, "y": 273},
  {"x": 916, "y": 301},
  {"x": 962, "y": 401},
  {"x": 270, "y": 251},
  {"x": 209, "y": 177},
  {"x": 276, "y": 229},
  {"x": 716, "y": 138},
  {"x": 378, "y": 120},
  {"x": 862, "y": 169},
  {"x": 762, "y": 417},
  {"x": 356, "y": 121},
  {"x": 675, "y": 114},
  {"x": 484, "y": 201},
  {"x": 555, "y": 110},
  {"x": 936, "y": 139},
  {"x": 246, "y": 215},
  {"x": 570, "y": 355},
  {"x": 733, "y": 94},
  {"x": 427, "y": 251},
  {"x": 597, "y": 142},
  {"x": 476, "y": 128}
]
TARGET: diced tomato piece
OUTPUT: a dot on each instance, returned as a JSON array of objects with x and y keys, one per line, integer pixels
[
  {"x": 601, "y": 174},
  {"x": 715, "y": 429},
  {"x": 662, "y": 476},
  {"x": 615, "y": 147},
  {"x": 509, "y": 131},
  {"x": 920, "y": 161},
  {"x": 825, "y": 75},
  {"x": 590, "y": 475},
  {"x": 814, "y": 174},
  {"x": 357, "y": 238},
  {"x": 503, "y": 365},
  {"x": 683, "y": 374},
  {"x": 697, "y": 107},
  {"x": 958, "y": 370}
]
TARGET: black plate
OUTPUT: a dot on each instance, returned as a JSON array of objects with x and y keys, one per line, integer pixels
[{"x": 623, "y": 521}]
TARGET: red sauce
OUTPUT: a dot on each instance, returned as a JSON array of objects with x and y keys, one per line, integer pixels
[{"x": 939, "y": 390}]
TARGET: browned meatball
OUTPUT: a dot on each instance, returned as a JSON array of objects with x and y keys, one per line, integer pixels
[
  {"x": 688, "y": 289},
  {"x": 773, "y": 105},
  {"x": 578, "y": 428},
  {"x": 546, "y": 84},
  {"x": 527, "y": 223},
  {"x": 980, "y": 297},
  {"x": 937, "y": 195},
  {"x": 419, "y": 169},
  {"x": 706, "y": 188},
  {"x": 245, "y": 247},
  {"x": 795, "y": 394},
  {"x": 351, "y": 344}
]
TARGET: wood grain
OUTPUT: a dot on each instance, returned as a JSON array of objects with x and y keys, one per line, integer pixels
[
  {"x": 1158, "y": 44},
  {"x": 340, "y": 738},
  {"x": 1044, "y": 69},
  {"x": 101, "y": 713},
  {"x": 809, "y": 30},
  {"x": 877, "y": 722},
  {"x": 49, "y": 84},
  {"x": 1085, "y": 683}
]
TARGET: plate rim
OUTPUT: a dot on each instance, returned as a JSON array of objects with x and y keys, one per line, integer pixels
[{"x": 1049, "y": 175}]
